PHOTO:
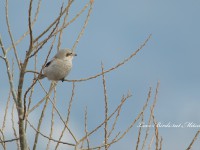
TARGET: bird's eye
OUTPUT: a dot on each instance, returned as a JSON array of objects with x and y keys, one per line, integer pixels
[{"x": 68, "y": 54}]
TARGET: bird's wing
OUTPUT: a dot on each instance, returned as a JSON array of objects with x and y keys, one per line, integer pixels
[{"x": 47, "y": 64}]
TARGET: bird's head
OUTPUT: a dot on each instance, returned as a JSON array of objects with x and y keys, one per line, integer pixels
[{"x": 65, "y": 54}]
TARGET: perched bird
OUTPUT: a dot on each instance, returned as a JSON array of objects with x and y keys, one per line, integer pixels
[{"x": 59, "y": 67}]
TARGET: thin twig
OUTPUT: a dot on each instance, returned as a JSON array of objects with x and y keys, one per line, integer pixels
[
  {"x": 60, "y": 35},
  {"x": 116, "y": 119},
  {"x": 193, "y": 140},
  {"x": 139, "y": 133},
  {"x": 12, "y": 89},
  {"x": 47, "y": 39},
  {"x": 13, "y": 127},
  {"x": 137, "y": 118},
  {"x": 161, "y": 140},
  {"x": 156, "y": 132},
  {"x": 48, "y": 137},
  {"x": 11, "y": 140},
  {"x": 36, "y": 79},
  {"x": 11, "y": 37},
  {"x": 151, "y": 142},
  {"x": 86, "y": 130},
  {"x": 106, "y": 108},
  {"x": 54, "y": 22},
  {"x": 27, "y": 32},
  {"x": 5, "y": 113},
  {"x": 150, "y": 117},
  {"x": 83, "y": 28},
  {"x": 68, "y": 114},
  {"x": 106, "y": 71},
  {"x": 42, "y": 116},
  {"x": 2, "y": 139},
  {"x": 109, "y": 117},
  {"x": 66, "y": 25},
  {"x": 116, "y": 66},
  {"x": 61, "y": 118},
  {"x": 52, "y": 119}
]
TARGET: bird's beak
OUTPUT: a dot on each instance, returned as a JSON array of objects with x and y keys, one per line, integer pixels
[{"x": 74, "y": 54}]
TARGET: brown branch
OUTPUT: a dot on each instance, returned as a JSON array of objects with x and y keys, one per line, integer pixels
[
  {"x": 151, "y": 142},
  {"x": 60, "y": 115},
  {"x": 52, "y": 119},
  {"x": 36, "y": 79},
  {"x": 139, "y": 133},
  {"x": 50, "y": 35},
  {"x": 161, "y": 140},
  {"x": 106, "y": 71},
  {"x": 150, "y": 117},
  {"x": 11, "y": 37},
  {"x": 71, "y": 144},
  {"x": 68, "y": 114},
  {"x": 54, "y": 22},
  {"x": 109, "y": 117},
  {"x": 106, "y": 108},
  {"x": 5, "y": 113},
  {"x": 2, "y": 139},
  {"x": 156, "y": 132},
  {"x": 137, "y": 118},
  {"x": 10, "y": 77},
  {"x": 60, "y": 35},
  {"x": 66, "y": 25},
  {"x": 42, "y": 116},
  {"x": 83, "y": 28},
  {"x": 116, "y": 119},
  {"x": 27, "y": 32},
  {"x": 11, "y": 140},
  {"x": 86, "y": 130},
  {"x": 193, "y": 140},
  {"x": 13, "y": 127},
  {"x": 116, "y": 66}
]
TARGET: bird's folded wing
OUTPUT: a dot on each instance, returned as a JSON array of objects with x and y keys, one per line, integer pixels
[{"x": 47, "y": 64}]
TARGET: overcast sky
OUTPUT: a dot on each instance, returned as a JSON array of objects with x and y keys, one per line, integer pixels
[{"x": 115, "y": 30}]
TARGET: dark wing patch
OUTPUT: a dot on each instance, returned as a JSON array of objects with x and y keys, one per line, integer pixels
[{"x": 48, "y": 64}]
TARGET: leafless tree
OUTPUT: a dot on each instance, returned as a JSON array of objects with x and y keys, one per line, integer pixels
[{"x": 20, "y": 98}]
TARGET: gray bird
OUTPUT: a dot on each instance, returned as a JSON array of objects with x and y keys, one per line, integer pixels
[{"x": 59, "y": 67}]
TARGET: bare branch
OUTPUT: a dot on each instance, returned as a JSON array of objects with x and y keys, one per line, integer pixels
[
  {"x": 116, "y": 66},
  {"x": 109, "y": 117},
  {"x": 139, "y": 133},
  {"x": 52, "y": 119},
  {"x": 10, "y": 78},
  {"x": 156, "y": 132},
  {"x": 106, "y": 108},
  {"x": 42, "y": 116},
  {"x": 11, "y": 37},
  {"x": 48, "y": 137},
  {"x": 27, "y": 32},
  {"x": 150, "y": 144},
  {"x": 83, "y": 28},
  {"x": 66, "y": 25},
  {"x": 86, "y": 130},
  {"x": 60, "y": 115},
  {"x": 68, "y": 114},
  {"x": 6, "y": 111},
  {"x": 55, "y": 21},
  {"x": 193, "y": 140},
  {"x": 13, "y": 127},
  {"x": 11, "y": 140},
  {"x": 151, "y": 115},
  {"x": 50, "y": 35}
]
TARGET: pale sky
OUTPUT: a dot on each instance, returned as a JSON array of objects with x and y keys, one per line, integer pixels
[{"x": 114, "y": 31}]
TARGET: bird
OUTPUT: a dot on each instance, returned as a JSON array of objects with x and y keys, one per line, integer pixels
[{"x": 60, "y": 66}]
